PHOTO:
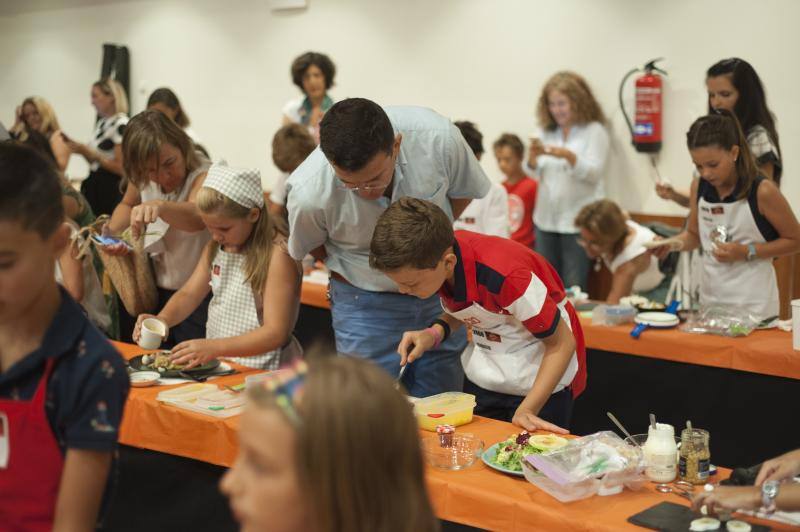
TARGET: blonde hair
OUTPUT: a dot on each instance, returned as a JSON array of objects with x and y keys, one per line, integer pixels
[
  {"x": 144, "y": 136},
  {"x": 358, "y": 461},
  {"x": 585, "y": 108},
  {"x": 46, "y": 112},
  {"x": 114, "y": 88},
  {"x": 606, "y": 221},
  {"x": 259, "y": 245}
]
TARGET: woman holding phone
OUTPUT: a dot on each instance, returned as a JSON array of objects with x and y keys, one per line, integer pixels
[{"x": 569, "y": 156}]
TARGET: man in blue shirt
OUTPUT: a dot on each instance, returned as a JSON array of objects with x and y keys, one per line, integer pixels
[{"x": 368, "y": 158}]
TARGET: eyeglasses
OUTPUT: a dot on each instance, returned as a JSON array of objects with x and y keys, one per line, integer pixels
[{"x": 369, "y": 185}]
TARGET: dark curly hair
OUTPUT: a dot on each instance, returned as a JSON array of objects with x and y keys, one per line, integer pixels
[{"x": 321, "y": 61}]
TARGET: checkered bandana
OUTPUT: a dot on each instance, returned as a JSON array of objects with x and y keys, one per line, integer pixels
[{"x": 242, "y": 185}]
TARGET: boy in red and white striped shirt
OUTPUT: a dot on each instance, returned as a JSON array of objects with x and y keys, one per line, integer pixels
[{"x": 528, "y": 363}]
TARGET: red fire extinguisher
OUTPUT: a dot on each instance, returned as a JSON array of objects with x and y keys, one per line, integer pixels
[{"x": 646, "y": 128}]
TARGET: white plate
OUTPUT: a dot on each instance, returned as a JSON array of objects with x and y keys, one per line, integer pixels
[
  {"x": 140, "y": 379},
  {"x": 663, "y": 320}
]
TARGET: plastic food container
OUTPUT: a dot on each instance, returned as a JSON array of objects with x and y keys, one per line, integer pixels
[
  {"x": 449, "y": 408},
  {"x": 613, "y": 314},
  {"x": 464, "y": 451}
]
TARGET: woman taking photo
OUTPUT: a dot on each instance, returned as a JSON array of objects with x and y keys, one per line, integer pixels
[
  {"x": 739, "y": 217},
  {"x": 569, "y": 156},
  {"x": 733, "y": 85},
  {"x": 164, "y": 175},
  {"x": 104, "y": 152}
]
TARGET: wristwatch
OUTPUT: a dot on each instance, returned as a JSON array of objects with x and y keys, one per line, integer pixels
[
  {"x": 751, "y": 252},
  {"x": 769, "y": 491}
]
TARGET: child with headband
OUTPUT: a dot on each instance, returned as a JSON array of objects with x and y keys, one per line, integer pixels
[{"x": 255, "y": 284}]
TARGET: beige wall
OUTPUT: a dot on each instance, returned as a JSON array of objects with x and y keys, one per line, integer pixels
[{"x": 477, "y": 59}]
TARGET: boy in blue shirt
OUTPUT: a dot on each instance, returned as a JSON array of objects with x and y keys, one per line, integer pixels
[{"x": 62, "y": 385}]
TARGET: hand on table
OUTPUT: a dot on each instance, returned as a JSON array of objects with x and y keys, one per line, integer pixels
[
  {"x": 530, "y": 422},
  {"x": 726, "y": 499},
  {"x": 729, "y": 252},
  {"x": 414, "y": 344},
  {"x": 137, "y": 329},
  {"x": 193, "y": 353},
  {"x": 781, "y": 468}
]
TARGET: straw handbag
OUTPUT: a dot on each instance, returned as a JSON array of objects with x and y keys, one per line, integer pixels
[{"x": 131, "y": 274}]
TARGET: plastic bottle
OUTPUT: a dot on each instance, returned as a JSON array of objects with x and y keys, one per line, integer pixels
[{"x": 661, "y": 453}]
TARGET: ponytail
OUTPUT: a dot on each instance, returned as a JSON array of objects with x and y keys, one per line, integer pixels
[{"x": 722, "y": 129}]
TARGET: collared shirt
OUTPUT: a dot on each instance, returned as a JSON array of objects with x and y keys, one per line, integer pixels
[
  {"x": 563, "y": 189},
  {"x": 505, "y": 277},
  {"x": 434, "y": 163},
  {"x": 88, "y": 387}
]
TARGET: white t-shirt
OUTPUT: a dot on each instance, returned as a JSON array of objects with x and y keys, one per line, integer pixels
[
  {"x": 487, "y": 215},
  {"x": 652, "y": 276},
  {"x": 564, "y": 190},
  {"x": 278, "y": 193}
]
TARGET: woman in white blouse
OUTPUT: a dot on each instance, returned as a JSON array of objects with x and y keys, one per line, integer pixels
[
  {"x": 569, "y": 157},
  {"x": 313, "y": 74},
  {"x": 104, "y": 152}
]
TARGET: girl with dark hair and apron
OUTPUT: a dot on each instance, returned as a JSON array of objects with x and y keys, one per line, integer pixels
[{"x": 739, "y": 218}]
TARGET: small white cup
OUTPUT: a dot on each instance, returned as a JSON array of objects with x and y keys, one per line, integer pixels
[
  {"x": 796, "y": 324},
  {"x": 152, "y": 333}
]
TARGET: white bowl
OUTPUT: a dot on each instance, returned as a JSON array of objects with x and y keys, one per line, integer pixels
[{"x": 140, "y": 379}]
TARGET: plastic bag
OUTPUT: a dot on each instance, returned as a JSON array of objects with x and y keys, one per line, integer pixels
[
  {"x": 592, "y": 457},
  {"x": 723, "y": 321}
]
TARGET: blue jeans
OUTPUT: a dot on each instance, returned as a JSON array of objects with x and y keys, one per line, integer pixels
[
  {"x": 370, "y": 325},
  {"x": 566, "y": 255}
]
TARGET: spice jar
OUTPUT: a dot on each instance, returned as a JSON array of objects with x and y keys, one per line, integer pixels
[{"x": 695, "y": 456}]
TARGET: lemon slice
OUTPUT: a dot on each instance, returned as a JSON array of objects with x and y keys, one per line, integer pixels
[
  {"x": 547, "y": 442},
  {"x": 703, "y": 524}
]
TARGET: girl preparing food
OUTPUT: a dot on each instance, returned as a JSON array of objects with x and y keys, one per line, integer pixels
[
  {"x": 739, "y": 217},
  {"x": 255, "y": 284}
]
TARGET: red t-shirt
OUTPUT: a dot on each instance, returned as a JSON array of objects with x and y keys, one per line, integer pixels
[{"x": 521, "y": 200}]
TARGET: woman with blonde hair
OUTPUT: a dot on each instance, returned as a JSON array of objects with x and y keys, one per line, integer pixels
[
  {"x": 104, "y": 151},
  {"x": 315, "y": 456},
  {"x": 36, "y": 124},
  {"x": 253, "y": 282},
  {"x": 569, "y": 157},
  {"x": 164, "y": 174},
  {"x": 607, "y": 234}
]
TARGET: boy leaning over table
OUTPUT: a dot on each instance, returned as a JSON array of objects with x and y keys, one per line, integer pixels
[
  {"x": 528, "y": 363},
  {"x": 62, "y": 385}
]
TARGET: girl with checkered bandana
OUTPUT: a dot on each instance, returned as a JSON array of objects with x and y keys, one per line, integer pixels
[{"x": 255, "y": 284}]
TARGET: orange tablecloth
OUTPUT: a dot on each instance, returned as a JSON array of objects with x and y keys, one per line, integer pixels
[
  {"x": 768, "y": 352},
  {"x": 314, "y": 295},
  {"x": 477, "y": 496},
  {"x": 150, "y": 425}
]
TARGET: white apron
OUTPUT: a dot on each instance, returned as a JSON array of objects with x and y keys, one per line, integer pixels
[
  {"x": 749, "y": 285},
  {"x": 506, "y": 357},
  {"x": 232, "y": 311}
]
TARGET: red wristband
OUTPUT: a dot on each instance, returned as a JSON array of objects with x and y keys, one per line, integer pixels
[{"x": 437, "y": 337}]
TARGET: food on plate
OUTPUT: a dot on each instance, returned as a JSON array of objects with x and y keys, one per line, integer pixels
[
  {"x": 738, "y": 526},
  {"x": 633, "y": 301},
  {"x": 160, "y": 362},
  {"x": 704, "y": 523},
  {"x": 511, "y": 452}
]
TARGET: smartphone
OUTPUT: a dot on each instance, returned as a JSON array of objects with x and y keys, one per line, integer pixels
[{"x": 110, "y": 241}]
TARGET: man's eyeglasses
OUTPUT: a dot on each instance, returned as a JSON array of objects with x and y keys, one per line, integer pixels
[{"x": 374, "y": 184}]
